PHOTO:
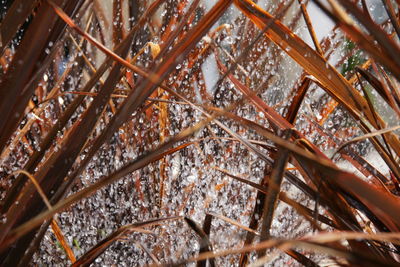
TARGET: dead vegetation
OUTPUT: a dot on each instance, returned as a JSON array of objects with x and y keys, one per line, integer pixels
[{"x": 198, "y": 135}]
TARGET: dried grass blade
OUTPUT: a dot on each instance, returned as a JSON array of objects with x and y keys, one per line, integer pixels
[
  {"x": 313, "y": 63},
  {"x": 120, "y": 233},
  {"x": 145, "y": 89},
  {"x": 306, "y": 212},
  {"x": 392, "y": 15},
  {"x": 310, "y": 28},
  {"x": 60, "y": 237},
  {"x": 152, "y": 77},
  {"x": 274, "y": 185},
  {"x": 149, "y": 12},
  {"x": 309, "y": 244},
  {"x": 360, "y": 161},
  {"x": 205, "y": 244},
  {"x": 301, "y": 258},
  {"x": 117, "y": 22},
  {"x": 385, "y": 206},
  {"x": 152, "y": 256},
  {"x": 63, "y": 204},
  {"x": 365, "y": 42},
  {"x": 148, "y": 84},
  {"x": 13, "y": 97},
  {"x": 15, "y": 17},
  {"x": 235, "y": 223},
  {"x": 58, "y": 165},
  {"x": 171, "y": 38},
  {"x": 207, "y": 229},
  {"x": 297, "y": 100},
  {"x": 254, "y": 221},
  {"x": 54, "y": 225},
  {"x": 61, "y": 122},
  {"x": 382, "y": 204},
  {"x": 326, "y": 237},
  {"x": 366, "y": 136},
  {"x": 376, "y": 84},
  {"x": 387, "y": 45}
]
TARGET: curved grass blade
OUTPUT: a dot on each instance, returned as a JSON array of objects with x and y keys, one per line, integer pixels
[
  {"x": 235, "y": 223},
  {"x": 376, "y": 84},
  {"x": 205, "y": 244},
  {"x": 384, "y": 206},
  {"x": 91, "y": 83},
  {"x": 15, "y": 17},
  {"x": 366, "y": 136},
  {"x": 63, "y": 204},
  {"x": 313, "y": 63},
  {"x": 386, "y": 44},
  {"x": 58, "y": 165},
  {"x": 297, "y": 100},
  {"x": 122, "y": 232},
  {"x": 303, "y": 210},
  {"x": 26, "y": 61},
  {"x": 311, "y": 242},
  {"x": 365, "y": 42},
  {"x": 150, "y": 81},
  {"x": 54, "y": 224},
  {"x": 274, "y": 185}
]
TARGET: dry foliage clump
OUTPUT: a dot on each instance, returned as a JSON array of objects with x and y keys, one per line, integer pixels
[{"x": 199, "y": 132}]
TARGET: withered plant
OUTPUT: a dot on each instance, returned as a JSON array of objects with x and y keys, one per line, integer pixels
[{"x": 199, "y": 132}]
